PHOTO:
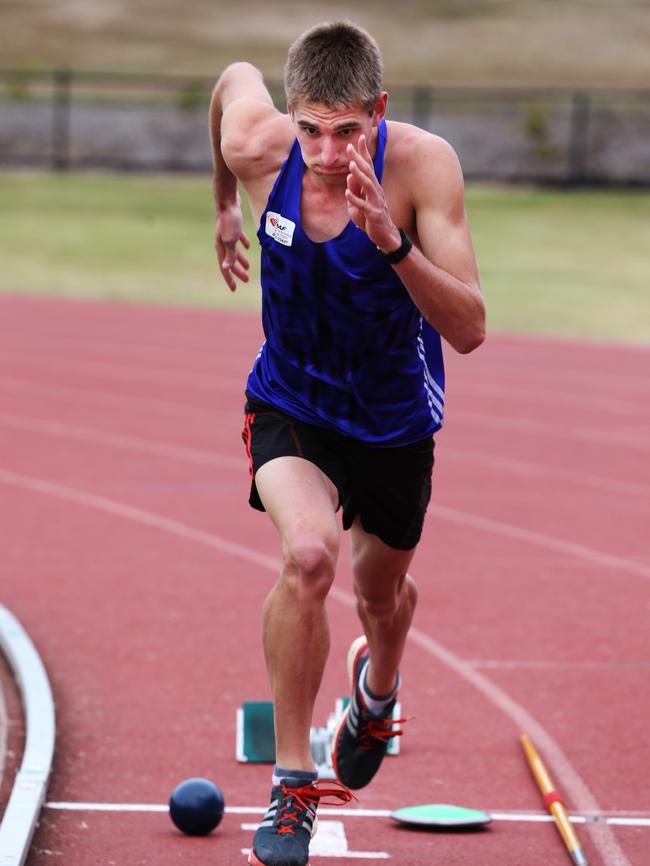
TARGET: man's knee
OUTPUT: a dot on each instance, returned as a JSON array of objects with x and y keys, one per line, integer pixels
[
  {"x": 310, "y": 563},
  {"x": 382, "y": 602},
  {"x": 382, "y": 608}
]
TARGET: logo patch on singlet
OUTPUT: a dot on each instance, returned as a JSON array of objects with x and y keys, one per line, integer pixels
[{"x": 280, "y": 228}]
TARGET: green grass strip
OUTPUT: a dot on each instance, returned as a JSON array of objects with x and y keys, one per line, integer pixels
[{"x": 555, "y": 262}]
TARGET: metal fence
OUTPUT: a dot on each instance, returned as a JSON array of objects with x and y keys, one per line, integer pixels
[{"x": 70, "y": 120}]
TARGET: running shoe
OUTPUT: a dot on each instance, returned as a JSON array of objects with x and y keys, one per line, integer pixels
[
  {"x": 283, "y": 837},
  {"x": 361, "y": 739}
]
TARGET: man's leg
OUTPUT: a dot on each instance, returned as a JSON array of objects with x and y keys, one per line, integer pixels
[
  {"x": 386, "y": 600},
  {"x": 301, "y": 501}
]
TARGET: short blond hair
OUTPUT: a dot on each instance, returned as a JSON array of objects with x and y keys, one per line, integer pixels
[{"x": 335, "y": 64}]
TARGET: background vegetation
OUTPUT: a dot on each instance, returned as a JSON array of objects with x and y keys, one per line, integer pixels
[{"x": 571, "y": 263}]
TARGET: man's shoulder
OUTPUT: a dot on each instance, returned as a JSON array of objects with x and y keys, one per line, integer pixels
[
  {"x": 410, "y": 145},
  {"x": 424, "y": 164},
  {"x": 256, "y": 137}
]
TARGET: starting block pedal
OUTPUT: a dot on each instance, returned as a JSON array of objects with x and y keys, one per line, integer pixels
[{"x": 255, "y": 735}]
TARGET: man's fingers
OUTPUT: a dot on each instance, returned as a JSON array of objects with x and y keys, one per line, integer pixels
[
  {"x": 367, "y": 185},
  {"x": 245, "y": 241},
  {"x": 224, "y": 266},
  {"x": 353, "y": 184},
  {"x": 355, "y": 201},
  {"x": 241, "y": 274}
]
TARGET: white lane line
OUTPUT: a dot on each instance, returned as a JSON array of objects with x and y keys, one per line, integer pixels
[
  {"x": 30, "y": 785},
  {"x": 517, "y": 817},
  {"x": 113, "y": 399},
  {"x": 138, "y": 515},
  {"x": 550, "y": 430},
  {"x": 545, "y": 394},
  {"x": 571, "y": 781},
  {"x": 134, "y": 372},
  {"x": 592, "y": 555},
  {"x": 166, "y": 449},
  {"x": 214, "y": 353},
  {"x": 559, "y": 763},
  {"x": 545, "y": 472},
  {"x": 125, "y": 372},
  {"x": 118, "y": 440},
  {"x": 540, "y": 539},
  {"x": 541, "y": 665}
]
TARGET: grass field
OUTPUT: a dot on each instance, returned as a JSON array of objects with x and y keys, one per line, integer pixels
[{"x": 569, "y": 263}]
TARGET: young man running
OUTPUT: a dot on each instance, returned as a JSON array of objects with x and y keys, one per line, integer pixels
[{"x": 366, "y": 262}]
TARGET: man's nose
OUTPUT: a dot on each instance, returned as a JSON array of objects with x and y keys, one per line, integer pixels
[{"x": 329, "y": 152}]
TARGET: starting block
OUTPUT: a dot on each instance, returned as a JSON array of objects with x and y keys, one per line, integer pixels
[{"x": 255, "y": 735}]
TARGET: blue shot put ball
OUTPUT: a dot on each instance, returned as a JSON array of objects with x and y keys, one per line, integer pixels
[{"x": 196, "y": 806}]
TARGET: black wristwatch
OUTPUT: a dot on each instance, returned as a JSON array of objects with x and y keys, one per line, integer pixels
[{"x": 402, "y": 250}]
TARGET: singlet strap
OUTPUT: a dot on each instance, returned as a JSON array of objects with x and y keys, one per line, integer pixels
[{"x": 378, "y": 161}]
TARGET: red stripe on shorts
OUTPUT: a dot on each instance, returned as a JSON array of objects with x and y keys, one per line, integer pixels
[{"x": 246, "y": 435}]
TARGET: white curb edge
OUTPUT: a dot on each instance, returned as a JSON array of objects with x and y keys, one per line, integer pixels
[{"x": 30, "y": 786}]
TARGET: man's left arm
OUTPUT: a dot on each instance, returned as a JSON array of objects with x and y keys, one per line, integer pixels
[{"x": 442, "y": 276}]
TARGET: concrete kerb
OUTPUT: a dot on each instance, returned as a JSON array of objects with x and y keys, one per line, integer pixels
[{"x": 30, "y": 786}]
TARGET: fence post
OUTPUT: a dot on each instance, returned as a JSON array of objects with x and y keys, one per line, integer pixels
[
  {"x": 422, "y": 106},
  {"x": 578, "y": 138},
  {"x": 61, "y": 120}
]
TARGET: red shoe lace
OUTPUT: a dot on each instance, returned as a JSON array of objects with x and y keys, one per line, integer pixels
[
  {"x": 308, "y": 796},
  {"x": 380, "y": 729}
]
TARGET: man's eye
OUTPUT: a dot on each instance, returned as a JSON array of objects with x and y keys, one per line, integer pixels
[
  {"x": 310, "y": 130},
  {"x": 346, "y": 133}
]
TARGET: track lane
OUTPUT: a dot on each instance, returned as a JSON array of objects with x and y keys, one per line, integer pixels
[{"x": 153, "y": 488}]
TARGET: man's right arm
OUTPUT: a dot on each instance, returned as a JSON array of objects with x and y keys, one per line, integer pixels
[{"x": 241, "y": 110}]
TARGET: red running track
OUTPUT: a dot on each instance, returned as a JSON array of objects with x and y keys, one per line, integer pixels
[{"x": 130, "y": 555}]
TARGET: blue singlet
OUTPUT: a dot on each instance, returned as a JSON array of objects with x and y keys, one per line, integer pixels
[{"x": 346, "y": 348}]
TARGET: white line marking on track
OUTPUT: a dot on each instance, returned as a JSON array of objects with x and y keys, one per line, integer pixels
[
  {"x": 129, "y": 373},
  {"x": 548, "y": 430},
  {"x": 114, "y": 399},
  {"x": 516, "y": 393},
  {"x": 516, "y": 665},
  {"x": 138, "y": 515},
  {"x": 564, "y": 770},
  {"x": 195, "y": 455},
  {"x": 117, "y": 440},
  {"x": 625, "y": 820},
  {"x": 540, "y": 539},
  {"x": 540, "y": 470},
  {"x": 571, "y": 780}
]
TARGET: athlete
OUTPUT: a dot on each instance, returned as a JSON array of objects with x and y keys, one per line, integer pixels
[{"x": 366, "y": 262}]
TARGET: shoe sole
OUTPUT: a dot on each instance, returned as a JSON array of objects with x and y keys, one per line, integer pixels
[
  {"x": 253, "y": 861},
  {"x": 355, "y": 650}
]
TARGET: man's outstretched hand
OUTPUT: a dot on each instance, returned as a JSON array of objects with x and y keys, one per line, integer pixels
[{"x": 230, "y": 232}]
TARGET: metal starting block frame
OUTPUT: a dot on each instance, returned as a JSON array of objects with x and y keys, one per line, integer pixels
[{"x": 255, "y": 735}]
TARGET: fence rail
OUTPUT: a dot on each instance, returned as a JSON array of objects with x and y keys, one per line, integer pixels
[{"x": 69, "y": 120}]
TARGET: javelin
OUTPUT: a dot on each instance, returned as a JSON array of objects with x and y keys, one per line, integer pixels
[{"x": 554, "y": 802}]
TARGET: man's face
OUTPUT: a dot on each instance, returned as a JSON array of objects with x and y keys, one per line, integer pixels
[{"x": 324, "y": 133}]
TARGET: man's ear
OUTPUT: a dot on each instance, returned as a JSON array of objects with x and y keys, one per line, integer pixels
[{"x": 379, "y": 108}]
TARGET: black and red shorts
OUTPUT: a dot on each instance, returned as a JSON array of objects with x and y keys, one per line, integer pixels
[{"x": 389, "y": 488}]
